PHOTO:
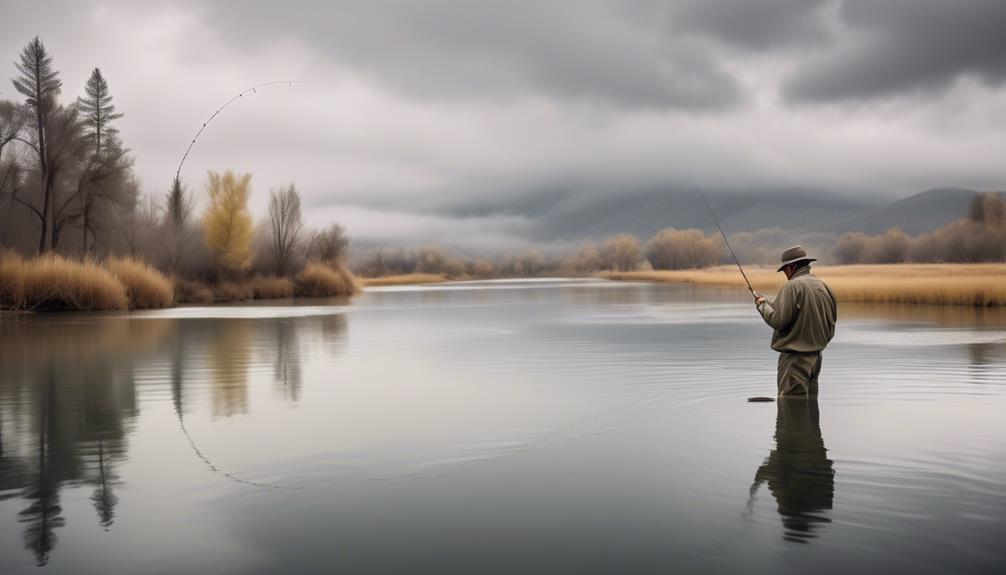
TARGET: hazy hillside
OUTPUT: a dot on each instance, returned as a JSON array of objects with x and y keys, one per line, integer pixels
[
  {"x": 916, "y": 214},
  {"x": 645, "y": 214}
]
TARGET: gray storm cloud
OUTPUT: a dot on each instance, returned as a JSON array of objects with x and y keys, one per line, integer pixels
[
  {"x": 892, "y": 47},
  {"x": 460, "y": 121}
]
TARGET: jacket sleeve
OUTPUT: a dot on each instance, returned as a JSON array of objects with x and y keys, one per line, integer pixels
[{"x": 781, "y": 313}]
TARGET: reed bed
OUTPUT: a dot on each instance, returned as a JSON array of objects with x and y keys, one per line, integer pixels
[
  {"x": 980, "y": 285},
  {"x": 320, "y": 280},
  {"x": 188, "y": 291},
  {"x": 145, "y": 286},
  {"x": 232, "y": 291},
  {"x": 272, "y": 287},
  {"x": 54, "y": 283},
  {"x": 404, "y": 279}
]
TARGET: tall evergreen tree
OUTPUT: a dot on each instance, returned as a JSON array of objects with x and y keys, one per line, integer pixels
[
  {"x": 177, "y": 214},
  {"x": 97, "y": 110},
  {"x": 98, "y": 113},
  {"x": 179, "y": 205},
  {"x": 39, "y": 83}
]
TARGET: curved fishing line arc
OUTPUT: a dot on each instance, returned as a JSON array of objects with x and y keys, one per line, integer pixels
[
  {"x": 212, "y": 467},
  {"x": 252, "y": 90}
]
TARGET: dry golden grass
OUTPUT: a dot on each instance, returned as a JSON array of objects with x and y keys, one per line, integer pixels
[
  {"x": 146, "y": 287},
  {"x": 272, "y": 287},
  {"x": 320, "y": 280},
  {"x": 54, "y": 283},
  {"x": 404, "y": 279},
  {"x": 188, "y": 291},
  {"x": 935, "y": 284},
  {"x": 232, "y": 291}
]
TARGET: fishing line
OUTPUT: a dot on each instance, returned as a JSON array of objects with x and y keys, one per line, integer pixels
[
  {"x": 253, "y": 90},
  {"x": 217, "y": 470}
]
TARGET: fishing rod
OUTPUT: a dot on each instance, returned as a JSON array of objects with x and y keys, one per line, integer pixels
[
  {"x": 725, "y": 240},
  {"x": 253, "y": 90}
]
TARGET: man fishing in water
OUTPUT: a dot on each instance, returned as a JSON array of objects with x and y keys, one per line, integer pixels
[{"x": 803, "y": 319}]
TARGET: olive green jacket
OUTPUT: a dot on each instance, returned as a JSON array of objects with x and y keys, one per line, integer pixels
[{"x": 803, "y": 314}]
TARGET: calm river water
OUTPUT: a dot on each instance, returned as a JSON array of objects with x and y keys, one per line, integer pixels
[{"x": 533, "y": 426}]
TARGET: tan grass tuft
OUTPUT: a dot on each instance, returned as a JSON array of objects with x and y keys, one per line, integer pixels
[
  {"x": 146, "y": 287},
  {"x": 320, "y": 280},
  {"x": 54, "y": 283},
  {"x": 233, "y": 291},
  {"x": 187, "y": 291},
  {"x": 981, "y": 285},
  {"x": 272, "y": 287}
]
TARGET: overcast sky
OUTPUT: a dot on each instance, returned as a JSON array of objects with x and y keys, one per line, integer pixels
[{"x": 462, "y": 121}]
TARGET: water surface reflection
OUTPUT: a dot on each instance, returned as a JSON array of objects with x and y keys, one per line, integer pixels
[
  {"x": 798, "y": 472},
  {"x": 499, "y": 427},
  {"x": 68, "y": 397}
]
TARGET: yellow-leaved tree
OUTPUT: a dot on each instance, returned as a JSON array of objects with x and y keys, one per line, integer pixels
[{"x": 227, "y": 225}]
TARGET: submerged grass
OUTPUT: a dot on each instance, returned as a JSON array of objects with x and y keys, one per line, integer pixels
[
  {"x": 405, "y": 279},
  {"x": 933, "y": 284}
]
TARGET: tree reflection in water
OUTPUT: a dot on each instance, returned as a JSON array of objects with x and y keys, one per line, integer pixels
[
  {"x": 68, "y": 397},
  {"x": 798, "y": 472},
  {"x": 69, "y": 388},
  {"x": 287, "y": 366}
]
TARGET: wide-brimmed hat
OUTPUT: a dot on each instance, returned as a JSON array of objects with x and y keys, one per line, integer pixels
[{"x": 793, "y": 255}]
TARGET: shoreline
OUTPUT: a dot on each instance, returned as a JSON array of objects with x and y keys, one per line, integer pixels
[
  {"x": 938, "y": 285},
  {"x": 403, "y": 279},
  {"x": 971, "y": 285}
]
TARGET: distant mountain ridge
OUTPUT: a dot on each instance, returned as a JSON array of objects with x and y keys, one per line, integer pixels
[{"x": 646, "y": 214}]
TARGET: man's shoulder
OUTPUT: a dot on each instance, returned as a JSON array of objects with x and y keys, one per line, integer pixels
[
  {"x": 807, "y": 278},
  {"x": 813, "y": 282}
]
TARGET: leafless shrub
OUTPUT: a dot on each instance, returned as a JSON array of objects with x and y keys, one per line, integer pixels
[
  {"x": 320, "y": 280},
  {"x": 621, "y": 253},
  {"x": 584, "y": 261},
  {"x": 285, "y": 225},
  {"x": 673, "y": 249},
  {"x": 328, "y": 246}
]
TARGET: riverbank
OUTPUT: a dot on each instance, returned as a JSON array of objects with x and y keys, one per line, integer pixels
[
  {"x": 979, "y": 285},
  {"x": 404, "y": 279},
  {"x": 54, "y": 283}
]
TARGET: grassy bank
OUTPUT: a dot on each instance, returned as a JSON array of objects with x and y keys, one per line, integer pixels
[
  {"x": 404, "y": 279},
  {"x": 54, "y": 283},
  {"x": 932, "y": 284}
]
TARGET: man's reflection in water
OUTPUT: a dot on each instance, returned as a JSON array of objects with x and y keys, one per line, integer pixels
[{"x": 798, "y": 472}]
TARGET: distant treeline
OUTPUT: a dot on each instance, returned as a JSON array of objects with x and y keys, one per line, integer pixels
[
  {"x": 981, "y": 237},
  {"x": 669, "y": 249},
  {"x": 69, "y": 197}
]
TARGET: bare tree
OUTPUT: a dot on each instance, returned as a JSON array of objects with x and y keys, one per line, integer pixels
[
  {"x": 683, "y": 249},
  {"x": 621, "y": 252},
  {"x": 11, "y": 122},
  {"x": 329, "y": 245},
  {"x": 285, "y": 223},
  {"x": 39, "y": 83},
  {"x": 65, "y": 150}
]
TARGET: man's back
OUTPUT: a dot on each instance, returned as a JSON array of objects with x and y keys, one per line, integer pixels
[{"x": 803, "y": 314}]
